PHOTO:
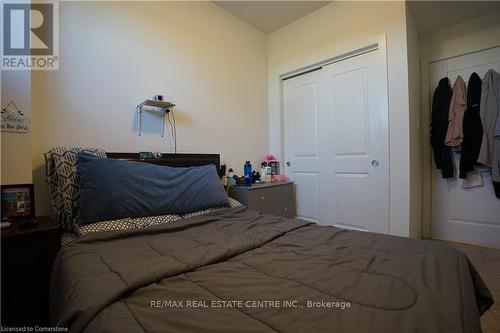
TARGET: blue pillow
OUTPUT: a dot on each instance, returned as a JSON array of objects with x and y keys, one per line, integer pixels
[{"x": 114, "y": 189}]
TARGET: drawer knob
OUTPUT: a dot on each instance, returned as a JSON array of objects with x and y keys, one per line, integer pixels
[
  {"x": 262, "y": 197},
  {"x": 285, "y": 194},
  {"x": 285, "y": 210}
]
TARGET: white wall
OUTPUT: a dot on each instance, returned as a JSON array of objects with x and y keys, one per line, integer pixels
[
  {"x": 415, "y": 96},
  {"x": 16, "y": 147},
  {"x": 335, "y": 29},
  {"x": 469, "y": 36},
  {"x": 113, "y": 55}
]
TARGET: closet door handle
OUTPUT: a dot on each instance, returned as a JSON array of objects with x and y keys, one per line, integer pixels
[{"x": 375, "y": 163}]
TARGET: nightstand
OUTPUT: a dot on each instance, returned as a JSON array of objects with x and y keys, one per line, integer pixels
[
  {"x": 268, "y": 198},
  {"x": 28, "y": 253}
]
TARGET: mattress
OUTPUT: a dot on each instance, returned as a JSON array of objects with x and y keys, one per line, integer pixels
[{"x": 237, "y": 270}]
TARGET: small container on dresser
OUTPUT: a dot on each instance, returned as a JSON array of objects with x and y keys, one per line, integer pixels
[
  {"x": 28, "y": 253},
  {"x": 268, "y": 198}
]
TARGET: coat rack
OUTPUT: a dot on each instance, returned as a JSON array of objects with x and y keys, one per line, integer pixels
[{"x": 159, "y": 106}]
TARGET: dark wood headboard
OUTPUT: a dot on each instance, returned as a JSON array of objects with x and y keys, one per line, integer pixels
[{"x": 173, "y": 160}]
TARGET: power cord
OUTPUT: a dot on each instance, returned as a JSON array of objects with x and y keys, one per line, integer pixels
[{"x": 173, "y": 129}]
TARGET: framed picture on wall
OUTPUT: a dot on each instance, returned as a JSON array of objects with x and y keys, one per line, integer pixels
[{"x": 18, "y": 203}]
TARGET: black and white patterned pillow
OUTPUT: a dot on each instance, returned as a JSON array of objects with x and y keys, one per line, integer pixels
[
  {"x": 126, "y": 224},
  {"x": 201, "y": 212},
  {"x": 136, "y": 223},
  {"x": 232, "y": 203},
  {"x": 63, "y": 181},
  {"x": 67, "y": 238}
]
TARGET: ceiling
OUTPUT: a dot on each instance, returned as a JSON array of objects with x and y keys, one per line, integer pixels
[
  {"x": 431, "y": 15},
  {"x": 268, "y": 16}
]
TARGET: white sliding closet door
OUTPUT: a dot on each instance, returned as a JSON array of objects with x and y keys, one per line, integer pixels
[
  {"x": 302, "y": 136},
  {"x": 336, "y": 143},
  {"x": 464, "y": 215},
  {"x": 356, "y": 137}
]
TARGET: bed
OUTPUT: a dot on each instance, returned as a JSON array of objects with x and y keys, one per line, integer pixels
[{"x": 234, "y": 269}]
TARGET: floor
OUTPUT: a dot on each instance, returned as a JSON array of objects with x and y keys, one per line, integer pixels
[{"x": 487, "y": 262}]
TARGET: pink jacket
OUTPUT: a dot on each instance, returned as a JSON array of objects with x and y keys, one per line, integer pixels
[{"x": 458, "y": 104}]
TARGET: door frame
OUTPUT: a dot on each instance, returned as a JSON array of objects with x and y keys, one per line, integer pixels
[
  {"x": 427, "y": 165},
  {"x": 378, "y": 43}
]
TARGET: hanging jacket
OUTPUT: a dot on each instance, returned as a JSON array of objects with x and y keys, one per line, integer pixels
[
  {"x": 439, "y": 126},
  {"x": 472, "y": 127},
  {"x": 458, "y": 104},
  {"x": 489, "y": 154}
]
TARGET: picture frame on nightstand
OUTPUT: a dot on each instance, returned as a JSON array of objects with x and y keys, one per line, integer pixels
[{"x": 18, "y": 203}]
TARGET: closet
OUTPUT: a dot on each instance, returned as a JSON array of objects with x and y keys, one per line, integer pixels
[
  {"x": 336, "y": 141},
  {"x": 464, "y": 210}
]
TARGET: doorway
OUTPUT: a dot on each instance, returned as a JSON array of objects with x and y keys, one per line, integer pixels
[{"x": 467, "y": 215}]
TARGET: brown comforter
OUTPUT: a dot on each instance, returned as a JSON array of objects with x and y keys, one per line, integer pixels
[{"x": 241, "y": 271}]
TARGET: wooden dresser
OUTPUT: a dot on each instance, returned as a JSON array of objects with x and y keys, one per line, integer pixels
[{"x": 271, "y": 198}]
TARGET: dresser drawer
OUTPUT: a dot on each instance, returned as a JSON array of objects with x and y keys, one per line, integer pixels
[
  {"x": 269, "y": 195},
  {"x": 283, "y": 208}
]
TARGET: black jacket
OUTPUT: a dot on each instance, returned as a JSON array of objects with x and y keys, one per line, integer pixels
[
  {"x": 439, "y": 126},
  {"x": 472, "y": 128}
]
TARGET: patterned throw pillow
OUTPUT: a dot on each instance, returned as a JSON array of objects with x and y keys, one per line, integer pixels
[
  {"x": 232, "y": 203},
  {"x": 135, "y": 223},
  {"x": 126, "y": 224},
  {"x": 67, "y": 238},
  {"x": 63, "y": 182}
]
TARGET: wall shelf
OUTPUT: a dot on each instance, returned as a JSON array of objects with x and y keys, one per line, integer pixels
[{"x": 157, "y": 106}]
